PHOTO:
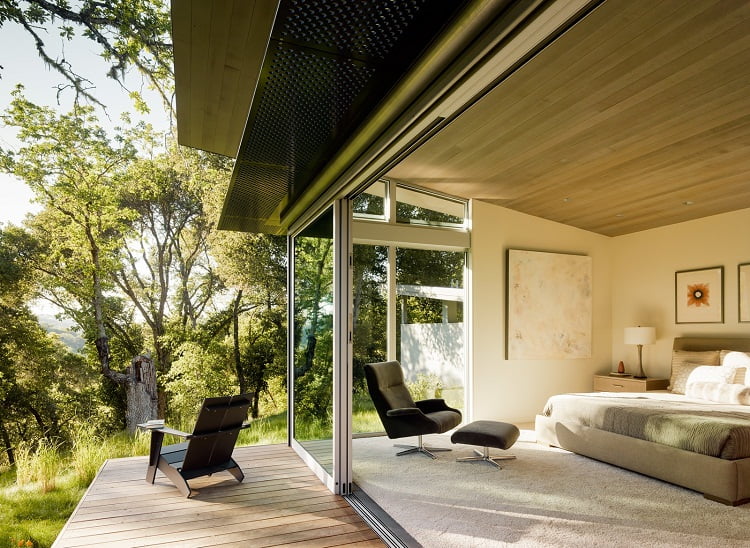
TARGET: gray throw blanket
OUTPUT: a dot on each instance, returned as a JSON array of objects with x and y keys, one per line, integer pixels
[{"x": 717, "y": 430}]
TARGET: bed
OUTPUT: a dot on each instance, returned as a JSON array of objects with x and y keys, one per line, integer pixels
[{"x": 696, "y": 435}]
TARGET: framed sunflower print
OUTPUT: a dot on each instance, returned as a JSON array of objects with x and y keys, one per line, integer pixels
[
  {"x": 699, "y": 295},
  {"x": 743, "y": 290}
]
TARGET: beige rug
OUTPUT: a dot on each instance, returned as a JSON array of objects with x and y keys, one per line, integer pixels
[{"x": 547, "y": 497}]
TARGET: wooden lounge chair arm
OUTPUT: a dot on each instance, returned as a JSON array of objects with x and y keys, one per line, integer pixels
[{"x": 175, "y": 432}]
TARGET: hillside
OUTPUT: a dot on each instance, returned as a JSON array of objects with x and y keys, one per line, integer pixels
[{"x": 63, "y": 329}]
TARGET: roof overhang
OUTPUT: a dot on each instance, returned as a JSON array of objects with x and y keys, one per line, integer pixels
[{"x": 219, "y": 47}]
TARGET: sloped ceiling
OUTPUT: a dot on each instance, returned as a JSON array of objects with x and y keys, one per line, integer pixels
[{"x": 637, "y": 117}]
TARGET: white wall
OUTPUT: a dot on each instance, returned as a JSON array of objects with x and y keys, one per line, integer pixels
[
  {"x": 516, "y": 390},
  {"x": 633, "y": 285},
  {"x": 643, "y": 292}
]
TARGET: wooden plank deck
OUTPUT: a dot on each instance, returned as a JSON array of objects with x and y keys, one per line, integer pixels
[{"x": 280, "y": 503}]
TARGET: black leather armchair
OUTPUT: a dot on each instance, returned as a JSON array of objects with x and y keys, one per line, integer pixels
[{"x": 400, "y": 414}]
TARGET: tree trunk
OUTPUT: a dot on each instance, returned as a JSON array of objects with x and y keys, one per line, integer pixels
[
  {"x": 163, "y": 359},
  {"x": 258, "y": 386},
  {"x": 142, "y": 396},
  {"x": 40, "y": 422},
  {"x": 236, "y": 340},
  {"x": 7, "y": 444}
]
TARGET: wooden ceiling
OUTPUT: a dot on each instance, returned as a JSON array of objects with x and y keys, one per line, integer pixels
[
  {"x": 637, "y": 117},
  {"x": 218, "y": 52}
]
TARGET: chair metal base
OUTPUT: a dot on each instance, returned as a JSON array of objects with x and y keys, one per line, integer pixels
[
  {"x": 485, "y": 456},
  {"x": 420, "y": 448}
]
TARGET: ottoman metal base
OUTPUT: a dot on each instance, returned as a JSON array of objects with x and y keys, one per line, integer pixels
[
  {"x": 486, "y": 457},
  {"x": 501, "y": 435}
]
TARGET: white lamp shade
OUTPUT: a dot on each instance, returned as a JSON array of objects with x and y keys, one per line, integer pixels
[{"x": 640, "y": 335}]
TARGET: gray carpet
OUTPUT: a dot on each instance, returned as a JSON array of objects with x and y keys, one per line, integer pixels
[{"x": 547, "y": 497}]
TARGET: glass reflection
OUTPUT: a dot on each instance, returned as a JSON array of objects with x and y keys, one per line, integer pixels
[{"x": 313, "y": 339}]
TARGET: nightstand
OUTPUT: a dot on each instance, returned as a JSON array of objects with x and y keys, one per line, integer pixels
[{"x": 607, "y": 383}]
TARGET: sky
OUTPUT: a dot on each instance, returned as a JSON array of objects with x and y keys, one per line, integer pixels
[{"x": 21, "y": 64}]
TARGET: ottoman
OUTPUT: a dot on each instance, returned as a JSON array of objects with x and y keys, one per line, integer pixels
[{"x": 487, "y": 434}]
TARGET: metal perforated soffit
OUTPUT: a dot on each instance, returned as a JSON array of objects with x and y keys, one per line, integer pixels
[{"x": 329, "y": 63}]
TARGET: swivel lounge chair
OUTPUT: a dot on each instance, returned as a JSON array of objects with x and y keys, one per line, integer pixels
[
  {"x": 207, "y": 450},
  {"x": 400, "y": 414}
]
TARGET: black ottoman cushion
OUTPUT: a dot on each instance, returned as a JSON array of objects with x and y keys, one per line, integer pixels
[{"x": 487, "y": 434}]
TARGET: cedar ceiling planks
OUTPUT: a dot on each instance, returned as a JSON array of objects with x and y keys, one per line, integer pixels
[
  {"x": 638, "y": 108},
  {"x": 218, "y": 50}
]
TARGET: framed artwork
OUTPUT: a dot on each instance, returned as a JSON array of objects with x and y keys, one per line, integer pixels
[
  {"x": 699, "y": 295},
  {"x": 549, "y": 305},
  {"x": 743, "y": 290}
]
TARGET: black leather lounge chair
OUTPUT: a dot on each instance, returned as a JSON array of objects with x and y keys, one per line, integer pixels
[
  {"x": 207, "y": 450},
  {"x": 400, "y": 414}
]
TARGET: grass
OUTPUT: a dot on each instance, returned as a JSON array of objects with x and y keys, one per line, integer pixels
[
  {"x": 38, "y": 495},
  {"x": 32, "y": 517}
]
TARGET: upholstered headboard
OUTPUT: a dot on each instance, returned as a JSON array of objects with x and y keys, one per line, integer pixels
[
  {"x": 710, "y": 347},
  {"x": 711, "y": 343}
]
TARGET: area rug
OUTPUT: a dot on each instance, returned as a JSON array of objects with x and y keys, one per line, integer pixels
[{"x": 546, "y": 497}]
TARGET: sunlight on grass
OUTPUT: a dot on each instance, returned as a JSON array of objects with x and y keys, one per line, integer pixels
[{"x": 31, "y": 516}]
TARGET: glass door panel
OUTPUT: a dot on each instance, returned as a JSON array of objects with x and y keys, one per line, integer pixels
[
  {"x": 313, "y": 366},
  {"x": 430, "y": 314},
  {"x": 369, "y": 321}
]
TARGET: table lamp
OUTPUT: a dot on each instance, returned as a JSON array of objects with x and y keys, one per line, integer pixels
[{"x": 640, "y": 336}]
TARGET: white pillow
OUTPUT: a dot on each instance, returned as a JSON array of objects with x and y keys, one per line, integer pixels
[
  {"x": 719, "y": 392},
  {"x": 686, "y": 373},
  {"x": 702, "y": 357},
  {"x": 740, "y": 361}
]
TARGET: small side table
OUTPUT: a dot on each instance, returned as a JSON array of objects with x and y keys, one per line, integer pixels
[{"x": 608, "y": 383}]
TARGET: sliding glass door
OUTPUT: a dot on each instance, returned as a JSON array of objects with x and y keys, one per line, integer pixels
[{"x": 319, "y": 391}]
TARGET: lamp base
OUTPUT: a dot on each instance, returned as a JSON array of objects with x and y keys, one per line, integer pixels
[{"x": 640, "y": 377}]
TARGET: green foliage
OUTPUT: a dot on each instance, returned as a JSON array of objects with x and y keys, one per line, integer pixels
[
  {"x": 196, "y": 374},
  {"x": 39, "y": 494},
  {"x": 24, "y": 464},
  {"x": 47, "y": 465},
  {"x": 314, "y": 399},
  {"x": 370, "y": 308},
  {"x": 128, "y": 34}
]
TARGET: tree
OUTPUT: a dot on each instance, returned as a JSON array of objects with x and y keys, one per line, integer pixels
[
  {"x": 369, "y": 315},
  {"x": 39, "y": 379},
  {"x": 77, "y": 172},
  {"x": 255, "y": 265},
  {"x": 166, "y": 271},
  {"x": 130, "y": 33}
]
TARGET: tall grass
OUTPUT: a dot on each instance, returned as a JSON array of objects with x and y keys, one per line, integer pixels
[
  {"x": 87, "y": 455},
  {"x": 41, "y": 466},
  {"x": 24, "y": 464},
  {"x": 47, "y": 465}
]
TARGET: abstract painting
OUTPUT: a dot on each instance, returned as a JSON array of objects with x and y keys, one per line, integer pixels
[
  {"x": 699, "y": 295},
  {"x": 549, "y": 306}
]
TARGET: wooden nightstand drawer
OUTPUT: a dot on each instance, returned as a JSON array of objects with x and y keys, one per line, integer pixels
[{"x": 606, "y": 383}]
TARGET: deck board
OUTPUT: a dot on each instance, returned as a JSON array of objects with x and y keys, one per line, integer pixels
[{"x": 280, "y": 503}]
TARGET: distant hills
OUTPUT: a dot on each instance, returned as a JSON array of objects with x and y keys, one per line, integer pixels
[{"x": 63, "y": 329}]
